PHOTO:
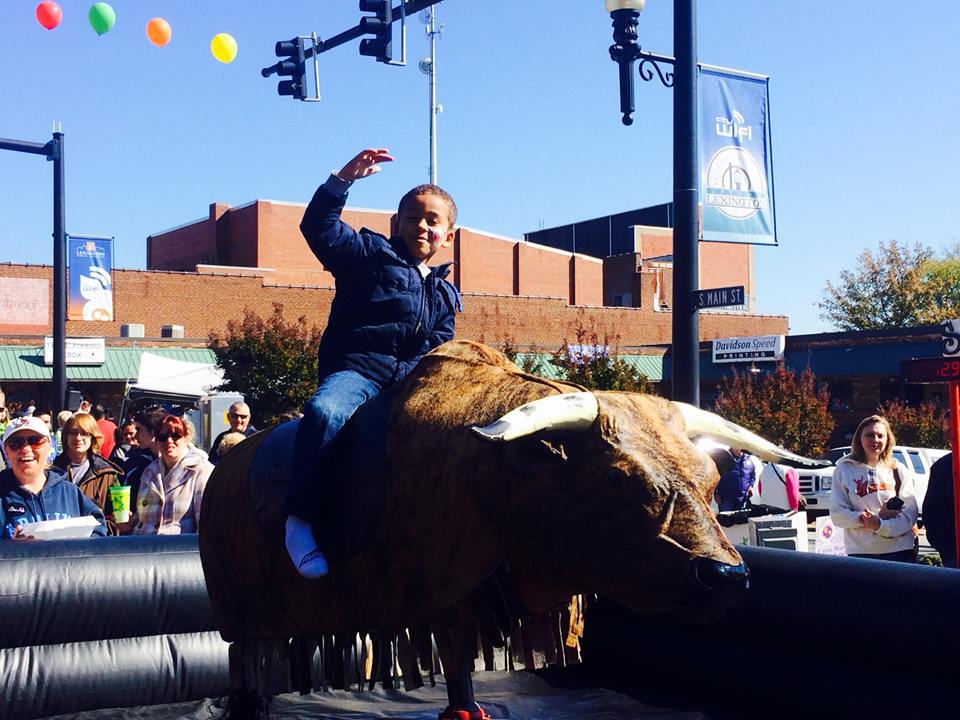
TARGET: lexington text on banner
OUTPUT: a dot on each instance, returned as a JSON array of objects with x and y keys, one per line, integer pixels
[
  {"x": 736, "y": 173},
  {"x": 91, "y": 278}
]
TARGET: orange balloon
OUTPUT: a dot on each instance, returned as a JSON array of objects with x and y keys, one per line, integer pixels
[{"x": 159, "y": 32}]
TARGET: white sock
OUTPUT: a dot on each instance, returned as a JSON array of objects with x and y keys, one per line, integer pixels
[{"x": 303, "y": 550}]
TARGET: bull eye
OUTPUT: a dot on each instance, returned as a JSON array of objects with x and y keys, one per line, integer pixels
[{"x": 616, "y": 477}]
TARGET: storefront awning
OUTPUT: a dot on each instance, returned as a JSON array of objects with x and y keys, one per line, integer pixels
[
  {"x": 24, "y": 363},
  {"x": 649, "y": 365}
]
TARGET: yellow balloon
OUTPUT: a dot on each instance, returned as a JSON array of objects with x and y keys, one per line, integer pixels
[{"x": 224, "y": 47}]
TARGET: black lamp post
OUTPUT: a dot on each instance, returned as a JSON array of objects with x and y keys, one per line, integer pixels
[
  {"x": 686, "y": 277},
  {"x": 53, "y": 151}
]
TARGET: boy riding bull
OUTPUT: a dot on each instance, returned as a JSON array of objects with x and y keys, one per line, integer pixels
[{"x": 389, "y": 309}]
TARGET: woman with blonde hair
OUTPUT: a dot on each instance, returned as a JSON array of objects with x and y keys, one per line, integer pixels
[
  {"x": 80, "y": 459},
  {"x": 872, "y": 497}
]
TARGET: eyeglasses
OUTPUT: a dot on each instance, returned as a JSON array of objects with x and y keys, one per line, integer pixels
[
  {"x": 235, "y": 416},
  {"x": 76, "y": 432},
  {"x": 18, "y": 441},
  {"x": 163, "y": 437}
]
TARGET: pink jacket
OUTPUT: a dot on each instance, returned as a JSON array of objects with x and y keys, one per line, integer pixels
[{"x": 169, "y": 503}]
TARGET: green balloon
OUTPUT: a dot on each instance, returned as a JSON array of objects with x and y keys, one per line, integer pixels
[{"x": 102, "y": 17}]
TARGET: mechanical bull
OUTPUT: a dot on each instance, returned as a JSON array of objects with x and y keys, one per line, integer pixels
[{"x": 567, "y": 492}]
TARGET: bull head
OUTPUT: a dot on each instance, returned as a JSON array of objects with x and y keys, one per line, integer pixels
[{"x": 643, "y": 492}]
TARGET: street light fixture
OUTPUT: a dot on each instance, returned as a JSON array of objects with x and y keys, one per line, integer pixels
[
  {"x": 685, "y": 339},
  {"x": 625, "y": 49}
]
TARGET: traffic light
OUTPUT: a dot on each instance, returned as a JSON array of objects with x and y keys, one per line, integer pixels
[
  {"x": 293, "y": 65},
  {"x": 378, "y": 25}
]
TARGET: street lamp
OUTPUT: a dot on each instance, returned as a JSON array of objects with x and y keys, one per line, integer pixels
[
  {"x": 625, "y": 15},
  {"x": 685, "y": 341}
]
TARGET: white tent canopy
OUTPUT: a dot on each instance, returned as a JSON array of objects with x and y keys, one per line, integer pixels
[{"x": 176, "y": 377}]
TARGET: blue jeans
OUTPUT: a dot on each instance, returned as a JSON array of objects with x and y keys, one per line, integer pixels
[{"x": 324, "y": 414}]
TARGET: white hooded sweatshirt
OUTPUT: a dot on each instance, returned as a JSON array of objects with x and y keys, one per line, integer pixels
[{"x": 858, "y": 487}]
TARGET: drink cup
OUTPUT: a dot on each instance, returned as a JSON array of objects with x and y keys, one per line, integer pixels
[{"x": 120, "y": 498}]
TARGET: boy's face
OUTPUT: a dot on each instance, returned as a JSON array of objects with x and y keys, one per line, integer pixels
[{"x": 424, "y": 225}]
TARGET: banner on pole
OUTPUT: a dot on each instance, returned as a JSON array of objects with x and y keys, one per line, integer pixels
[
  {"x": 736, "y": 168},
  {"x": 91, "y": 278}
]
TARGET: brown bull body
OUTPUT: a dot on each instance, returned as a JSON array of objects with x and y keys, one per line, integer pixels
[{"x": 620, "y": 509}]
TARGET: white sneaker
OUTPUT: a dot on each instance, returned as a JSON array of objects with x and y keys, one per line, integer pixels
[{"x": 302, "y": 548}]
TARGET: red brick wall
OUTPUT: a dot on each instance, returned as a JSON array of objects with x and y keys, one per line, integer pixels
[
  {"x": 586, "y": 280},
  {"x": 183, "y": 248},
  {"x": 484, "y": 263},
  {"x": 541, "y": 272},
  {"x": 266, "y": 234},
  {"x": 206, "y": 302}
]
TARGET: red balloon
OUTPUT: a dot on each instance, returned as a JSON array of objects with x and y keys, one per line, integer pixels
[{"x": 49, "y": 14}]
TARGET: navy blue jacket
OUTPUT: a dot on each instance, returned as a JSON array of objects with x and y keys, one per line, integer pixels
[
  {"x": 736, "y": 482},
  {"x": 59, "y": 499},
  {"x": 385, "y": 314}
]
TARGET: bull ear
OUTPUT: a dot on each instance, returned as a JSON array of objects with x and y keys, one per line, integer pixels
[
  {"x": 701, "y": 422},
  {"x": 568, "y": 411}
]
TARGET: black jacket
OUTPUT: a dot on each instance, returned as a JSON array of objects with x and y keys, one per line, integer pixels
[
  {"x": 385, "y": 314},
  {"x": 938, "y": 518}
]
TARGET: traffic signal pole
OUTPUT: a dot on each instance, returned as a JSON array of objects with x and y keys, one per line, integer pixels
[
  {"x": 359, "y": 30},
  {"x": 954, "y": 396},
  {"x": 53, "y": 151}
]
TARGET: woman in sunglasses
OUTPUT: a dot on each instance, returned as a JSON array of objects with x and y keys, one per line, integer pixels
[
  {"x": 872, "y": 497},
  {"x": 29, "y": 490},
  {"x": 171, "y": 487},
  {"x": 83, "y": 464}
]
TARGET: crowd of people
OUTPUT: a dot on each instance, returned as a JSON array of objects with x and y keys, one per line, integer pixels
[{"x": 67, "y": 471}]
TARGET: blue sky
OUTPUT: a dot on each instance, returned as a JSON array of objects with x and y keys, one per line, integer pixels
[{"x": 864, "y": 104}]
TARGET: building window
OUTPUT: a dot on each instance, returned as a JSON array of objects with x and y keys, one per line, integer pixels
[
  {"x": 841, "y": 394},
  {"x": 623, "y": 300}
]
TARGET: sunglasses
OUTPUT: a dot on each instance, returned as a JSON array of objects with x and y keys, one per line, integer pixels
[
  {"x": 238, "y": 417},
  {"x": 163, "y": 437},
  {"x": 17, "y": 442}
]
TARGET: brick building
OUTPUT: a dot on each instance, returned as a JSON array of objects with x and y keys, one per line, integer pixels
[
  {"x": 637, "y": 252},
  {"x": 204, "y": 273}
]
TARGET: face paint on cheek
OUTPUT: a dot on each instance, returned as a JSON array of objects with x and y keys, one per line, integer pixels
[{"x": 436, "y": 237}]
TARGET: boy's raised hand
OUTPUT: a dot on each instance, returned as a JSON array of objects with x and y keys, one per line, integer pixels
[{"x": 367, "y": 162}]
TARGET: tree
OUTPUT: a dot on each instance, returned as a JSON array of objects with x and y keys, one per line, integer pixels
[
  {"x": 787, "y": 410},
  {"x": 920, "y": 426},
  {"x": 273, "y": 363},
  {"x": 898, "y": 287},
  {"x": 943, "y": 278},
  {"x": 591, "y": 362}
]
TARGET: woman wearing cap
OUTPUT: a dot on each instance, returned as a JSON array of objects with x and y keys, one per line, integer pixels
[
  {"x": 29, "y": 491},
  {"x": 83, "y": 465},
  {"x": 172, "y": 486},
  {"x": 872, "y": 497}
]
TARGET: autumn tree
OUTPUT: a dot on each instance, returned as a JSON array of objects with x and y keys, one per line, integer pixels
[
  {"x": 899, "y": 286},
  {"x": 787, "y": 410},
  {"x": 272, "y": 362},
  {"x": 918, "y": 426}
]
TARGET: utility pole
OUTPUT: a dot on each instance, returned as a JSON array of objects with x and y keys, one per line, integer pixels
[{"x": 428, "y": 66}]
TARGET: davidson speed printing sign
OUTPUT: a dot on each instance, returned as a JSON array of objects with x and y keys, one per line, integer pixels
[{"x": 751, "y": 349}]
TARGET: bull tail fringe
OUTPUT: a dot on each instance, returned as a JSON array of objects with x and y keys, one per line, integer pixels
[{"x": 406, "y": 659}]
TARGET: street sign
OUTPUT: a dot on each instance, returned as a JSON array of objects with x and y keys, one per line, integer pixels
[{"x": 718, "y": 297}]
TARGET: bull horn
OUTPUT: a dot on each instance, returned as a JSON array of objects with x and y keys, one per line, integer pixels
[
  {"x": 569, "y": 411},
  {"x": 701, "y": 422}
]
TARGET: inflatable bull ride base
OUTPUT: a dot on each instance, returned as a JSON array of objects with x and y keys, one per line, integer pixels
[{"x": 468, "y": 500}]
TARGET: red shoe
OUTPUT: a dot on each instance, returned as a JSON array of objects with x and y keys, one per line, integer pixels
[{"x": 451, "y": 714}]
